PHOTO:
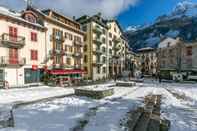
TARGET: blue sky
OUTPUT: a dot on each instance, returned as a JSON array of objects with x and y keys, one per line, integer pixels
[
  {"x": 128, "y": 12},
  {"x": 146, "y": 11}
]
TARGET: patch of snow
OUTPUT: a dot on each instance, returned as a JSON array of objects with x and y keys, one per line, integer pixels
[
  {"x": 152, "y": 41},
  {"x": 172, "y": 33}
]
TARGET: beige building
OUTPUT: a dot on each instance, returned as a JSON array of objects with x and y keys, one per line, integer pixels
[
  {"x": 177, "y": 56},
  {"x": 148, "y": 59},
  {"x": 22, "y": 44},
  {"x": 64, "y": 44},
  {"x": 95, "y": 49},
  {"x": 116, "y": 49}
]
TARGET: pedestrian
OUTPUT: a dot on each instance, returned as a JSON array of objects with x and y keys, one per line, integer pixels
[{"x": 159, "y": 78}]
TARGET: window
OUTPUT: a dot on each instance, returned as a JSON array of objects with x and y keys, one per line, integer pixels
[
  {"x": 68, "y": 61},
  {"x": 110, "y": 51},
  {"x": 86, "y": 69},
  {"x": 115, "y": 29},
  {"x": 84, "y": 28},
  {"x": 13, "y": 33},
  {"x": 103, "y": 49},
  {"x": 104, "y": 59},
  {"x": 70, "y": 49},
  {"x": 189, "y": 51},
  {"x": 57, "y": 59},
  {"x": 110, "y": 43},
  {"x": 104, "y": 69},
  {"x": 85, "y": 48},
  {"x": 33, "y": 36},
  {"x": 98, "y": 70},
  {"x": 66, "y": 48},
  {"x": 34, "y": 55},
  {"x": 110, "y": 34},
  {"x": 103, "y": 40},
  {"x": 85, "y": 58},
  {"x": 70, "y": 37}
]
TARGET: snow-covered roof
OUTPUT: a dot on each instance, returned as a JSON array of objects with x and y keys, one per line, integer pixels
[
  {"x": 168, "y": 41},
  {"x": 146, "y": 49},
  {"x": 16, "y": 15}
]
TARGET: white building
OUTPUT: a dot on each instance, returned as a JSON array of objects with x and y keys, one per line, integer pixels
[{"x": 22, "y": 45}]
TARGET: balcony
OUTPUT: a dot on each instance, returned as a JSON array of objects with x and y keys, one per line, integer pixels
[
  {"x": 78, "y": 43},
  {"x": 98, "y": 41},
  {"x": 6, "y": 61},
  {"x": 77, "y": 66},
  {"x": 12, "y": 42},
  {"x": 97, "y": 51},
  {"x": 98, "y": 63},
  {"x": 116, "y": 40},
  {"x": 58, "y": 38},
  {"x": 57, "y": 52},
  {"x": 77, "y": 54},
  {"x": 98, "y": 30}
]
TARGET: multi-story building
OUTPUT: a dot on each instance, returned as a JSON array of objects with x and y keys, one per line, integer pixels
[
  {"x": 116, "y": 49},
  {"x": 64, "y": 44},
  {"x": 95, "y": 48},
  {"x": 177, "y": 56},
  {"x": 22, "y": 44},
  {"x": 148, "y": 59}
]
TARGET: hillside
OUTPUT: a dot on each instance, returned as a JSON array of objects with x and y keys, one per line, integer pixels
[{"x": 179, "y": 23}]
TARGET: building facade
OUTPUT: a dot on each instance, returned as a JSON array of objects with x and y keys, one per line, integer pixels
[
  {"x": 95, "y": 48},
  {"x": 64, "y": 45},
  {"x": 148, "y": 59},
  {"x": 177, "y": 56},
  {"x": 22, "y": 45}
]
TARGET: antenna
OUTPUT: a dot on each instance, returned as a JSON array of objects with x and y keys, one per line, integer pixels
[{"x": 28, "y": 2}]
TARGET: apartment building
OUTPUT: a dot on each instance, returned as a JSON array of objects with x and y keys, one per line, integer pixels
[
  {"x": 177, "y": 56},
  {"x": 116, "y": 49},
  {"x": 22, "y": 44},
  {"x": 64, "y": 45},
  {"x": 148, "y": 59},
  {"x": 95, "y": 48}
]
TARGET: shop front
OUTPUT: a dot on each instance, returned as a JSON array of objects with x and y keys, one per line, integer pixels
[{"x": 61, "y": 76}]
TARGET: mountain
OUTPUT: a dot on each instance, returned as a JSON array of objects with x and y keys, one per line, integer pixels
[{"x": 179, "y": 23}]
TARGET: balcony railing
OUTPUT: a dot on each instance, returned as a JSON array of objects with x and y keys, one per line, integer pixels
[
  {"x": 78, "y": 43},
  {"x": 97, "y": 51},
  {"x": 98, "y": 30},
  {"x": 78, "y": 66},
  {"x": 116, "y": 40},
  {"x": 97, "y": 63},
  {"x": 77, "y": 54},
  {"x": 7, "y": 61},
  {"x": 12, "y": 41},
  {"x": 98, "y": 41}
]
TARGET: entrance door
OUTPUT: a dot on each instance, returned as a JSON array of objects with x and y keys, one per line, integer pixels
[
  {"x": 32, "y": 76},
  {"x": 13, "y": 56}
]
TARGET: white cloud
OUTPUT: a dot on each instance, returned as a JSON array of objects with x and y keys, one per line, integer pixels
[{"x": 109, "y": 8}]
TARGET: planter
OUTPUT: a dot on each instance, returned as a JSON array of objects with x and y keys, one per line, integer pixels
[
  {"x": 94, "y": 93},
  {"x": 125, "y": 84}
]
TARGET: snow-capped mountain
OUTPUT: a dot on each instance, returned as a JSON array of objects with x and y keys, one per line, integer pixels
[
  {"x": 179, "y": 23},
  {"x": 133, "y": 28}
]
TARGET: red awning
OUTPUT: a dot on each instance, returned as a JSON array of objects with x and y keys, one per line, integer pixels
[{"x": 65, "y": 72}]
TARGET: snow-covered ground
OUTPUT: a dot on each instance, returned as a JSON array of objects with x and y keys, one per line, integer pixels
[
  {"x": 13, "y": 96},
  {"x": 66, "y": 113}
]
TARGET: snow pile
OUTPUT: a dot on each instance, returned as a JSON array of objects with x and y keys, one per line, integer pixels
[{"x": 5, "y": 112}]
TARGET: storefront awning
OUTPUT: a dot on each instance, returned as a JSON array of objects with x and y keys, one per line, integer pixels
[{"x": 65, "y": 72}]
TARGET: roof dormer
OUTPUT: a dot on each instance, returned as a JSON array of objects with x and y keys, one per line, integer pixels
[{"x": 30, "y": 16}]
